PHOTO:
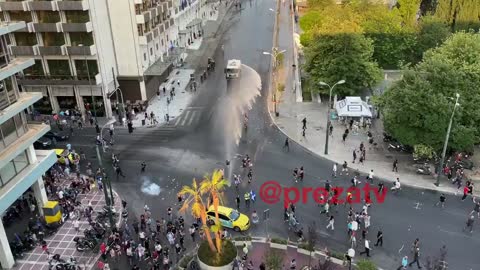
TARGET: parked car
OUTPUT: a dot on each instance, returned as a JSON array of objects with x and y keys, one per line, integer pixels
[
  {"x": 43, "y": 143},
  {"x": 57, "y": 135}
]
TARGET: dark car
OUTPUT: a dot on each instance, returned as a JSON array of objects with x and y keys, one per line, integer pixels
[
  {"x": 43, "y": 143},
  {"x": 57, "y": 135}
]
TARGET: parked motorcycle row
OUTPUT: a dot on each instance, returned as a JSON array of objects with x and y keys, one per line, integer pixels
[
  {"x": 57, "y": 263},
  {"x": 33, "y": 236}
]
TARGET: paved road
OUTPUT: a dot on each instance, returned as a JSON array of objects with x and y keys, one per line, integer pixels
[{"x": 190, "y": 148}]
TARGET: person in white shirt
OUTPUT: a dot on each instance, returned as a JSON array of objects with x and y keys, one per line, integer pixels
[
  {"x": 334, "y": 172},
  {"x": 370, "y": 176},
  {"x": 367, "y": 248},
  {"x": 396, "y": 186},
  {"x": 331, "y": 223}
]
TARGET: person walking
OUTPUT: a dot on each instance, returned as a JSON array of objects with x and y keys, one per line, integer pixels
[
  {"x": 304, "y": 123},
  {"x": 354, "y": 153},
  {"x": 367, "y": 248},
  {"x": 143, "y": 166},
  {"x": 395, "y": 166},
  {"x": 469, "y": 224},
  {"x": 379, "y": 238},
  {"x": 334, "y": 170},
  {"x": 237, "y": 200},
  {"x": 247, "y": 199},
  {"x": 476, "y": 208},
  {"x": 466, "y": 190},
  {"x": 331, "y": 223},
  {"x": 441, "y": 201},
  {"x": 404, "y": 264},
  {"x": 286, "y": 145},
  {"x": 344, "y": 168},
  {"x": 416, "y": 258},
  {"x": 370, "y": 176}
]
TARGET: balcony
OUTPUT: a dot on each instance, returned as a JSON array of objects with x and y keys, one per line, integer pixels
[
  {"x": 81, "y": 50},
  {"x": 171, "y": 23},
  {"x": 161, "y": 28},
  {"x": 143, "y": 18},
  {"x": 142, "y": 40},
  {"x": 58, "y": 80},
  {"x": 167, "y": 24},
  {"x": 15, "y": 66},
  {"x": 9, "y": 27},
  {"x": 25, "y": 100},
  {"x": 51, "y": 50},
  {"x": 73, "y": 5},
  {"x": 14, "y": 6},
  {"x": 47, "y": 27},
  {"x": 42, "y": 5},
  {"x": 77, "y": 27},
  {"x": 160, "y": 9},
  {"x": 10, "y": 192},
  {"x": 155, "y": 32},
  {"x": 22, "y": 50}
]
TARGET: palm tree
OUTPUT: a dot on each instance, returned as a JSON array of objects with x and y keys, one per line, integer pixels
[
  {"x": 194, "y": 203},
  {"x": 213, "y": 185}
]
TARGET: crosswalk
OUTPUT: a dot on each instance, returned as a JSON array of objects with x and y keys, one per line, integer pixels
[{"x": 189, "y": 117}]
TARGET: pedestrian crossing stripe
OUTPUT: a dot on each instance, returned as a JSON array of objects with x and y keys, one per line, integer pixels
[{"x": 188, "y": 118}]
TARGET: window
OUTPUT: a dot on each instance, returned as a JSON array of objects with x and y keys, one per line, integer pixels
[
  {"x": 59, "y": 68},
  {"x": 53, "y": 39},
  {"x": 8, "y": 93},
  {"x": 144, "y": 57},
  {"x": 7, "y": 172},
  {"x": 45, "y": 16},
  {"x": 20, "y": 125},
  {"x": 140, "y": 29},
  {"x": 25, "y": 39},
  {"x": 77, "y": 38},
  {"x": 77, "y": 16},
  {"x": 9, "y": 132},
  {"x": 86, "y": 69},
  {"x": 35, "y": 70},
  {"x": 156, "y": 46},
  {"x": 162, "y": 42},
  {"x": 25, "y": 16},
  {"x": 13, "y": 168},
  {"x": 151, "y": 51}
]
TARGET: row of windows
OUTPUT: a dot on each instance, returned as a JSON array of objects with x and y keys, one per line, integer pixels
[
  {"x": 8, "y": 93},
  {"x": 13, "y": 168},
  {"x": 45, "y": 16},
  {"x": 83, "y": 68},
  {"x": 52, "y": 38},
  {"x": 151, "y": 49}
]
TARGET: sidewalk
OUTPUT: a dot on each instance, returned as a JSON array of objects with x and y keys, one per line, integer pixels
[
  {"x": 378, "y": 159},
  {"x": 258, "y": 251},
  {"x": 62, "y": 242}
]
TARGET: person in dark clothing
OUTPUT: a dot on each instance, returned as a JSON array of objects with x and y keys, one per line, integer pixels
[
  {"x": 144, "y": 165},
  {"x": 97, "y": 128},
  {"x": 286, "y": 145},
  {"x": 416, "y": 257},
  {"x": 395, "y": 166},
  {"x": 379, "y": 238},
  {"x": 304, "y": 122}
]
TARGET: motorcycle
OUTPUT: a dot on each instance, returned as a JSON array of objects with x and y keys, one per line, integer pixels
[
  {"x": 387, "y": 138},
  {"x": 57, "y": 263},
  {"x": 83, "y": 244},
  {"x": 424, "y": 169}
]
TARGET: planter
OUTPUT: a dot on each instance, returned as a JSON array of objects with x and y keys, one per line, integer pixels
[
  {"x": 304, "y": 251},
  {"x": 278, "y": 246},
  {"x": 210, "y": 261}
]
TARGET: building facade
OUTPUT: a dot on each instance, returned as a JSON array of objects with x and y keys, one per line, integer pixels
[
  {"x": 144, "y": 34},
  {"x": 21, "y": 166},
  {"x": 72, "y": 45}
]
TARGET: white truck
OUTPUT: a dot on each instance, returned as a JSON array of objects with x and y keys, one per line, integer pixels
[{"x": 233, "y": 69}]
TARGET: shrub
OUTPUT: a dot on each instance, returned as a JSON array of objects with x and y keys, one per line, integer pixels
[
  {"x": 366, "y": 265},
  {"x": 279, "y": 241},
  {"x": 207, "y": 256}
]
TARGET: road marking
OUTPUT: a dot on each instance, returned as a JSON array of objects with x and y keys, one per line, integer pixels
[
  {"x": 417, "y": 206},
  {"x": 400, "y": 250},
  {"x": 194, "y": 116},
  {"x": 185, "y": 118}
]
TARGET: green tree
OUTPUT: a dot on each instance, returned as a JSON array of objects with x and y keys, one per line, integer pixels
[
  {"x": 310, "y": 23},
  {"x": 459, "y": 14},
  {"x": 408, "y": 10},
  {"x": 347, "y": 56},
  {"x": 417, "y": 109},
  {"x": 314, "y": 4},
  {"x": 433, "y": 32},
  {"x": 274, "y": 259}
]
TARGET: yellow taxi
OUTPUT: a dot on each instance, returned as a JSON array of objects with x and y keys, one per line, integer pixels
[
  {"x": 230, "y": 218},
  {"x": 63, "y": 153}
]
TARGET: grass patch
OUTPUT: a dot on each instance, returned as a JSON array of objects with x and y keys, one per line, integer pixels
[
  {"x": 205, "y": 254},
  {"x": 281, "y": 87},
  {"x": 306, "y": 246},
  {"x": 279, "y": 241},
  {"x": 337, "y": 255}
]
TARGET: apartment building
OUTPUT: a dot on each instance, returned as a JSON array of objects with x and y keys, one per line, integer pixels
[
  {"x": 72, "y": 45},
  {"x": 21, "y": 166},
  {"x": 144, "y": 35},
  {"x": 189, "y": 17}
]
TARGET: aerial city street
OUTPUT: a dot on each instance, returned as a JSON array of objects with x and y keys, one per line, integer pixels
[{"x": 261, "y": 134}]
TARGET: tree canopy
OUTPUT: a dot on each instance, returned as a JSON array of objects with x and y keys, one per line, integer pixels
[
  {"x": 348, "y": 56},
  {"x": 417, "y": 109},
  {"x": 460, "y": 14}
]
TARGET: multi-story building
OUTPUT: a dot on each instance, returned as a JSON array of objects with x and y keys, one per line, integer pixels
[
  {"x": 144, "y": 35},
  {"x": 21, "y": 166},
  {"x": 188, "y": 17},
  {"x": 72, "y": 45}
]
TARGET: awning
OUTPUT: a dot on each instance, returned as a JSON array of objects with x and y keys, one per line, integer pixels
[
  {"x": 184, "y": 32},
  {"x": 353, "y": 107},
  {"x": 195, "y": 22}
]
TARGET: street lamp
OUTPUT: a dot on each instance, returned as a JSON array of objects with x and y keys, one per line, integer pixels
[
  {"x": 444, "y": 152},
  {"x": 90, "y": 84},
  {"x": 274, "y": 54},
  {"x": 328, "y": 111},
  {"x": 109, "y": 201}
]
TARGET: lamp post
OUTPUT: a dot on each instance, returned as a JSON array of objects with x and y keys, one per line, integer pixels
[
  {"x": 109, "y": 200},
  {"x": 274, "y": 54},
  {"x": 444, "y": 152},
  {"x": 328, "y": 111}
]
